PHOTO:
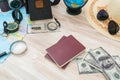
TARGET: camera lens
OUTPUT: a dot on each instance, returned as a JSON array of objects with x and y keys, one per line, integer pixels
[{"x": 15, "y": 4}]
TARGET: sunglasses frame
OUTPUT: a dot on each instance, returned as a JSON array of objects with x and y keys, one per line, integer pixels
[{"x": 113, "y": 27}]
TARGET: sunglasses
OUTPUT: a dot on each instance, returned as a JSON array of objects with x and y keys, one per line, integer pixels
[{"x": 113, "y": 27}]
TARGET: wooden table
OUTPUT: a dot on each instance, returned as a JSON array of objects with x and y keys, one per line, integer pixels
[{"x": 33, "y": 66}]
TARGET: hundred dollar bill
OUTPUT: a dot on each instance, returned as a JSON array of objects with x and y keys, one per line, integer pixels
[
  {"x": 109, "y": 67},
  {"x": 84, "y": 67},
  {"x": 93, "y": 63},
  {"x": 117, "y": 59}
]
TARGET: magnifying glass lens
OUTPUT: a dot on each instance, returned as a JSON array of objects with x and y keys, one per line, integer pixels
[
  {"x": 18, "y": 47},
  {"x": 52, "y": 26}
]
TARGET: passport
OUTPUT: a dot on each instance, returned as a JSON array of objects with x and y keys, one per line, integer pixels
[
  {"x": 50, "y": 59},
  {"x": 65, "y": 50}
]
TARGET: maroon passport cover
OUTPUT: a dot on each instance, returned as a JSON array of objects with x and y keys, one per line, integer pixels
[
  {"x": 49, "y": 58},
  {"x": 65, "y": 50}
]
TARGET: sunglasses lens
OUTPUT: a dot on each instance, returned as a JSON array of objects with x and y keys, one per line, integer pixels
[
  {"x": 113, "y": 27},
  {"x": 102, "y": 15}
]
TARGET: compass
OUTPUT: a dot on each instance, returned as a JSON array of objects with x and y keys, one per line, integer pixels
[
  {"x": 10, "y": 27},
  {"x": 13, "y": 26}
]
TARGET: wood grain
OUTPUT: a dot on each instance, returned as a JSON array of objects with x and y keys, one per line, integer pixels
[{"x": 34, "y": 66}]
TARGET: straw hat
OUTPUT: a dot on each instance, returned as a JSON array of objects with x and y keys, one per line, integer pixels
[{"x": 94, "y": 6}]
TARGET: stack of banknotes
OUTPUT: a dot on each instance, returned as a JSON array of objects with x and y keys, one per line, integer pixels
[{"x": 100, "y": 61}]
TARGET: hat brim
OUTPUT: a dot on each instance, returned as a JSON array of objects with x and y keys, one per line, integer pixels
[{"x": 92, "y": 8}]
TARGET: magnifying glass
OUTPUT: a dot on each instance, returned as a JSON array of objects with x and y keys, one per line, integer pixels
[
  {"x": 18, "y": 47},
  {"x": 52, "y": 26}
]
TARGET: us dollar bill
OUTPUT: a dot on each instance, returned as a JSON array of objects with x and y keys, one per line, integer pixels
[
  {"x": 93, "y": 63},
  {"x": 106, "y": 63},
  {"x": 117, "y": 59},
  {"x": 84, "y": 67}
]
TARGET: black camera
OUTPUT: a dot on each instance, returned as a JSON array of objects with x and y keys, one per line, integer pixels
[{"x": 7, "y": 5}]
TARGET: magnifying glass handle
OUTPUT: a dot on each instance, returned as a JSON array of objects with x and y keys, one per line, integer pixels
[
  {"x": 57, "y": 22},
  {"x": 2, "y": 54}
]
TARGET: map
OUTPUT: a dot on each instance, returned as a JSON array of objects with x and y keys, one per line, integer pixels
[{"x": 5, "y": 42}]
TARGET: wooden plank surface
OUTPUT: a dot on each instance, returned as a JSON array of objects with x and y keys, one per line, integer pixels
[{"x": 33, "y": 66}]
